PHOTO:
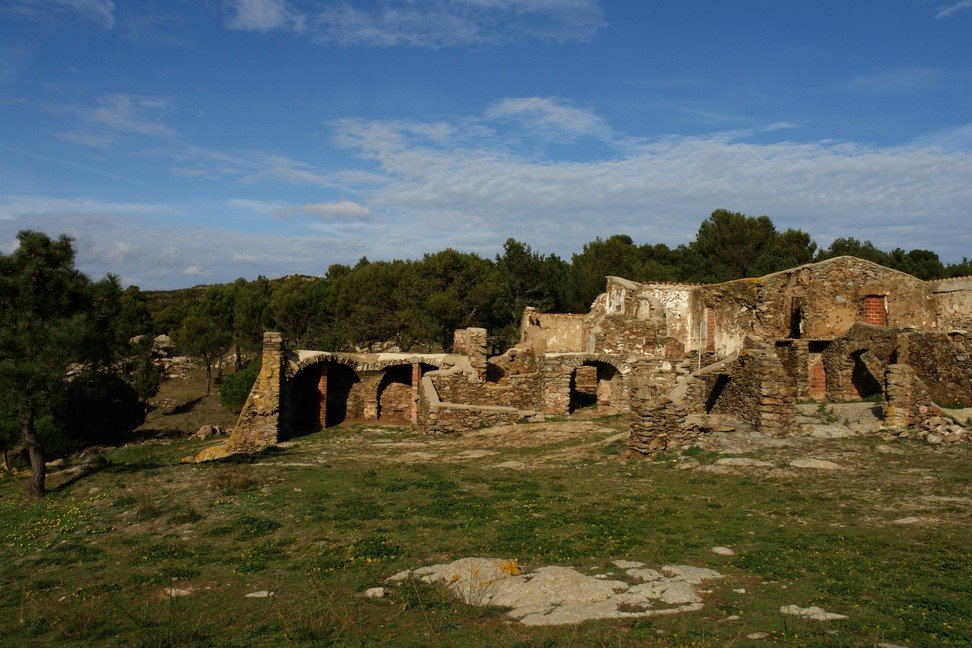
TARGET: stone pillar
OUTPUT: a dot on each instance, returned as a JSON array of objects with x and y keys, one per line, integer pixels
[
  {"x": 416, "y": 379},
  {"x": 259, "y": 423},
  {"x": 322, "y": 395}
]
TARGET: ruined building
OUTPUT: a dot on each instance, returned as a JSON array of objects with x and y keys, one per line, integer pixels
[{"x": 684, "y": 359}]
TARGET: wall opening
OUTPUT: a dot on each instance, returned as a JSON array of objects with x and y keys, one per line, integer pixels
[
  {"x": 722, "y": 381},
  {"x": 863, "y": 382},
  {"x": 595, "y": 383},
  {"x": 796, "y": 319},
  {"x": 341, "y": 382},
  {"x": 395, "y": 394}
]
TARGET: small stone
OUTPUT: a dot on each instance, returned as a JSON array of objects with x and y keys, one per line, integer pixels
[
  {"x": 812, "y": 612},
  {"x": 173, "y": 592},
  {"x": 740, "y": 590},
  {"x": 756, "y": 636},
  {"x": 627, "y": 564},
  {"x": 743, "y": 462},
  {"x": 886, "y": 449},
  {"x": 688, "y": 465},
  {"x": 731, "y": 617},
  {"x": 259, "y": 594},
  {"x": 723, "y": 551},
  {"x": 375, "y": 592},
  {"x": 933, "y": 439},
  {"x": 400, "y": 576},
  {"x": 908, "y": 520},
  {"x": 818, "y": 464}
]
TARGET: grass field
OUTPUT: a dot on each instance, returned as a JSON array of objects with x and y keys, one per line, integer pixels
[{"x": 331, "y": 514}]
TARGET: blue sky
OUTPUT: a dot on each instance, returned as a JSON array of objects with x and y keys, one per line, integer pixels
[{"x": 186, "y": 142}]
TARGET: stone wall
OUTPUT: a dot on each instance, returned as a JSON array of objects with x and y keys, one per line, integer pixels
[
  {"x": 909, "y": 410},
  {"x": 646, "y": 319},
  {"x": 855, "y": 362},
  {"x": 437, "y": 418},
  {"x": 471, "y": 342},
  {"x": 521, "y": 391},
  {"x": 815, "y": 301},
  {"x": 753, "y": 387},
  {"x": 556, "y": 370},
  {"x": 553, "y": 332},
  {"x": 953, "y": 302},
  {"x": 942, "y": 361}
]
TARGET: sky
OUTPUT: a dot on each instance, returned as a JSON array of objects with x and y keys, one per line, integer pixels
[{"x": 183, "y": 142}]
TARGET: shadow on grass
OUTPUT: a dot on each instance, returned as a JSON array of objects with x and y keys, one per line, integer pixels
[{"x": 184, "y": 407}]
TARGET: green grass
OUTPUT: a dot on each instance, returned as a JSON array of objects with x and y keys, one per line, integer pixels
[{"x": 90, "y": 569}]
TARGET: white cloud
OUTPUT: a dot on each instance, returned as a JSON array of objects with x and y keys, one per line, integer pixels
[
  {"x": 246, "y": 167},
  {"x": 425, "y": 23},
  {"x": 948, "y": 10},
  {"x": 551, "y": 116},
  {"x": 262, "y": 15},
  {"x": 909, "y": 195},
  {"x": 192, "y": 270},
  {"x": 343, "y": 209},
  {"x": 245, "y": 258},
  {"x": 129, "y": 113},
  {"x": 100, "y": 13}
]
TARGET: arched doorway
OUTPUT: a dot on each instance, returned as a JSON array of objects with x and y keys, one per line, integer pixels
[
  {"x": 323, "y": 395},
  {"x": 395, "y": 394}
]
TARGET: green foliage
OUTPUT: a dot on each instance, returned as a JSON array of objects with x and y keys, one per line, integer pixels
[
  {"x": 98, "y": 408},
  {"x": 202, "y": 336},
  {"x": 416, "y": 304},
  {"x": 236, "y": 387}
]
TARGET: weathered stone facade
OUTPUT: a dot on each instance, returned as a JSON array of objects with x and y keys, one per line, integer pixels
[{"x": 684, "y": 359}]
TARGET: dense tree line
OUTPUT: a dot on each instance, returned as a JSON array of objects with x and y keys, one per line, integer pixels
[{"x": 417, "y": 304}]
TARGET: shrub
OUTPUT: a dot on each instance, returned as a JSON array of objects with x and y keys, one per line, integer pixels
[{"x": 236, "y": 387}]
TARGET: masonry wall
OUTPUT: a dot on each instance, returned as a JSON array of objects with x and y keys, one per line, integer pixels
[
  {"x": 437, "y": 418},
  {"x": 521, "y": 391},
  {"x": 942, "y": 361},
  {"x": 830, "y": 297},
  {"x": 953, "y": 302}
]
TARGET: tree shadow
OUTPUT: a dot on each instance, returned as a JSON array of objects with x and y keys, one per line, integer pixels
[
  {"x": 184, "y": 407},
  {"x": 93, "y": 469}
]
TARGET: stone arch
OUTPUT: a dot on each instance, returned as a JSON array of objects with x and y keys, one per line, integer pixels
[
  {"x": 323, "y": 393},
  {"x": 558, "y": 376}
]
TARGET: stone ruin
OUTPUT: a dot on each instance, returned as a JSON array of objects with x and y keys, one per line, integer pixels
[{"x": 684, "y": 359}]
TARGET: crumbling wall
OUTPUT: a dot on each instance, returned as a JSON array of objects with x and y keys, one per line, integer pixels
[
  {"x": 553, "y": 332},
  {"x": 645, "y": 319},
  {"x": 909, "y": 410},
  {"x": 471, "y": 342},
  {"x": 953, "y": 302},
  {"x": 753, "y": 387},
  {"x": 855, "y": 362},
  {"x": 657, "y": 418},
  {"x": 437, "y": 418},
  {"x": 521, "y": 391},
  {"x": 942, "y": 361},
  {"x": 556, "y": 378},
  {"x": 815, "y": 301}
]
